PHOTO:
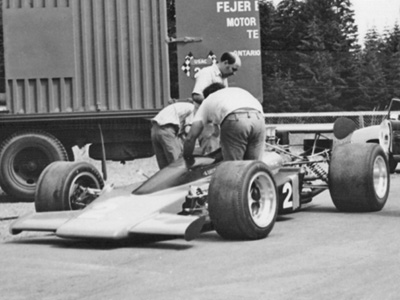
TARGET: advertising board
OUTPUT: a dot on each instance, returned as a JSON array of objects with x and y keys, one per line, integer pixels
[{"x": 208, "y": 28}]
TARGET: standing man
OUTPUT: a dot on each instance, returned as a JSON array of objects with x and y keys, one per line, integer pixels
[
  {"x": 169, "y": 125},
  {"x": 217, "y": 73},
  {"x": 240, "y": 117},
  {"x": 228, "y": 66}
]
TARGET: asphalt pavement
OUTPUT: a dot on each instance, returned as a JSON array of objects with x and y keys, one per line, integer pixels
[{"x": 317, "y": 253}]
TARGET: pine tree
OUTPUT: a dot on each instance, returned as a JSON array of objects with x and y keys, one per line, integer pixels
[
  {"x": 281, "y": 31},
  {"x": 391, "y": 60},
  {"x": 338, "y": 33},
  {"x": 311, "y": 47},
  {"x": 372, "y": 79},
  {"x": 2, "y": 65},
  {"x": 287, "y": 29},
  {"x": 319, "y": 73},
  {"x": 281, "y": 95}
]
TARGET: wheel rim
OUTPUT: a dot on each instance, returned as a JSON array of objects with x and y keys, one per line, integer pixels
[
  {"x": 380, "y": 177},
  {"x": 78, "y": 198},
  {"x": 262, "y": 199},
  {"x": 28, "y": 164}
]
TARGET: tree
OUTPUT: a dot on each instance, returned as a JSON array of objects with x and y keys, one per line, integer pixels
[
  {"x": 282, "y": 94},
  {"x": 2, "y": 65},
  {"x": 281, "y": 34},
  {"x": 391, "y": 60},
  {"x": 371, "y": 75},
  {"x": 312, "y": 44},
  {"x": 287, "y": 29},
  {"x": 337, "y": 34},
  {"x": 320, "y": 75}
]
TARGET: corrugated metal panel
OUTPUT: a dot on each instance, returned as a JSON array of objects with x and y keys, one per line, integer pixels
[{"x": 85, "y": 55}]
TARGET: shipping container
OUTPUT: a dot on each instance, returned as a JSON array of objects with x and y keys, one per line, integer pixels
[{"x": 65, "y": 56}]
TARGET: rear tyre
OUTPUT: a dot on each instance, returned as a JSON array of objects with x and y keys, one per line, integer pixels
[
  {"x": 359, "y": 177},
  {"x": 61, "y": 186},
  {"x": 242, "y": 200},
  {"x": 23, "y": 157}
]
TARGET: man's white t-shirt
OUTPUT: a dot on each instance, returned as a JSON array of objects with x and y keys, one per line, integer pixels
[
  {"x": 178, "y": 113},
  {"x": 206, "y": 77},
  {"x": 221, "y": 103}
]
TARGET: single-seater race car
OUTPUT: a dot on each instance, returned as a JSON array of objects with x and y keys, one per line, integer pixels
[
  {"x": 387, "y": 134},
  {"x": 238, "y": 199}
]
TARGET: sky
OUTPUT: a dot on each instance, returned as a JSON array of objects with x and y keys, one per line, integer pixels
[
  {"x": 374, "y": 13},
  {"x": 380, "y": 14}
]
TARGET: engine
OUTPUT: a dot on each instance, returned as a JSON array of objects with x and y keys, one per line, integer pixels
[{"x": 196, "y": 200}]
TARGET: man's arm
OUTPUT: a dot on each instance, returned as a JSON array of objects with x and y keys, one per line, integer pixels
[
  {"x": 172, "y": 101},
  {"x": 189, "y": 144},
  {"x": 202, "y": 80}
]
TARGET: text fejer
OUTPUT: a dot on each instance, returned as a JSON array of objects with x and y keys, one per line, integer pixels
[{"x": 236, "y": 6}]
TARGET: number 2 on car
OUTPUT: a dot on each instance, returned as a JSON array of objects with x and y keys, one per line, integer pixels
[{"x": 289, "y": 198}]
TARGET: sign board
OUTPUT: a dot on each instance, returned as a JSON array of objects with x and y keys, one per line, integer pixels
[{"x": 208, "y": 28}]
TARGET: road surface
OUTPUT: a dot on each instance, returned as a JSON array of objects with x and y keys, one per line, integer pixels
[{"x": 317, "y": 253}]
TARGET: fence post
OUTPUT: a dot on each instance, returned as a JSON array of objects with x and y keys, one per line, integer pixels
[{"x": 361, "y": 120}]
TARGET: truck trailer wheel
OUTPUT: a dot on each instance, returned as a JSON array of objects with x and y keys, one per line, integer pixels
[
  {"x": 359, "y": 178},
  {"x": 62, "y": 186},
  {"x": 242, "y": 200},
  {"x": 23, "y": 157}
]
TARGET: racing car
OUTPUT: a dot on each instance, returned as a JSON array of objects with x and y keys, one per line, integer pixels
[
  {"x": 240, "y": 200},
  {"x": 387, "y": 134}
]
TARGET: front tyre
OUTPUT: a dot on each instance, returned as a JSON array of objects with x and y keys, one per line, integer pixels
[
  {"x": 359, "y": 177},
  {"x": 242, "y": 200},
  {"x": 62, "y": 186}
]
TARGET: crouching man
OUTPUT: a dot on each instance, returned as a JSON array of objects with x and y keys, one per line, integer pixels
[
  {"x": 241, "y": 120},
  {"x": 168, "y": 131}
]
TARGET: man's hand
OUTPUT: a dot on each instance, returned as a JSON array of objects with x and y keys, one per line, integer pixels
[{"x": 189, "y": 160}]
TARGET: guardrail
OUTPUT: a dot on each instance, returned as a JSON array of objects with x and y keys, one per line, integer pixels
[{"x": 361, "y": 118}]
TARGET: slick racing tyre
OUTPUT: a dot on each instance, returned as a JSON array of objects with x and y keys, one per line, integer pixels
[
  {"x": 61, "y": 186},
  {"x": 23, "y": 157},
  {"x": 359, "y": 177},
  {"x": 243, "y": 200}
]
